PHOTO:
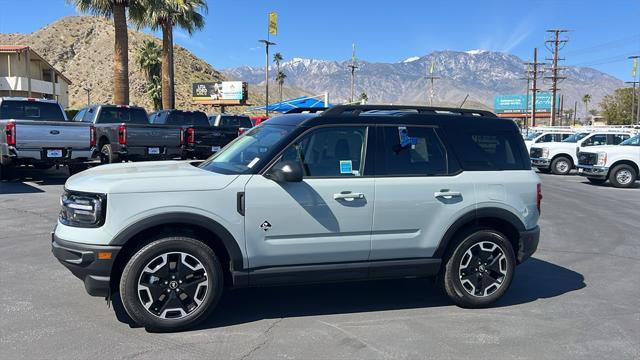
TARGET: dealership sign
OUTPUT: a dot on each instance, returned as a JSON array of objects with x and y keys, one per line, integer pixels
[
  {"x": 517, "y": 104},
  {"x": 222, "y": 93}
]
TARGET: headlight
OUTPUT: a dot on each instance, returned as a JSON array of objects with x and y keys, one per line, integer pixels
[
  {"x": 82, "y": 209},
  {"x": 602, "y": 159},
  {"x": 545, "y": 152}
]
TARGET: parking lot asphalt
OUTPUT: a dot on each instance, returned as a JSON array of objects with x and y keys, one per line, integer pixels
[{"x": 577, "y": 298}]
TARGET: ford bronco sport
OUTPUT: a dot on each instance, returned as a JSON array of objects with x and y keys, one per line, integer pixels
[{"x": 292, "y": 201}]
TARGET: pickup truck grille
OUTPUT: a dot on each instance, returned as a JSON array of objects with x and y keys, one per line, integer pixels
[
  {"x": 587, "y": 158},
  {"x": 535, "y": 153}
]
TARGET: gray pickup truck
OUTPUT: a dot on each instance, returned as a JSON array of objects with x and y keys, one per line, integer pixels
[
  {"x": 36, "y": 132},
  {"x": 124, "y": 133}
]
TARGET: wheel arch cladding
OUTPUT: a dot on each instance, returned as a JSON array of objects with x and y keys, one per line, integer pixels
[
  {"x": 625, "y": 162},
  {"x": 495, "y": 218},
  {"x": 197, "y": 226},
  {"x": 564, "y": 155}
]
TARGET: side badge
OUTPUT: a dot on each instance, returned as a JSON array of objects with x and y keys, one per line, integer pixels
[{"x": 265, "y": 226}]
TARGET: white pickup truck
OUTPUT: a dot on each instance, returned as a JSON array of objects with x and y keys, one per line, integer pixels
[
  {"x": 546, "y": 136},
  {"x": 618, "y": 164},
  {"x": 36, "y": 132},
  {"x": 560, "y": 157}
]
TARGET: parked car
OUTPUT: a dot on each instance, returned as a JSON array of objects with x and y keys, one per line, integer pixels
[
  {"x": 124, "y": 133},
  {"x": 618, "y": 164},
  {"x": 546, "y": 136},
  {"x": 292, "y": 201},
  {"x": 199, "y": 139},
  {"x": 35, "y": 132},
  {"x": 257, "y": 120},
  {"x": 560, "y": 157},
  {"x": 239, "y": 122}
]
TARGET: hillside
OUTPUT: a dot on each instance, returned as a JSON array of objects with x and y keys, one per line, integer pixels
[{"x": 481, "y": 74}]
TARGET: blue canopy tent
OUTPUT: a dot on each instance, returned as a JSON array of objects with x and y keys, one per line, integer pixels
[{"x": 299, "y": 102}]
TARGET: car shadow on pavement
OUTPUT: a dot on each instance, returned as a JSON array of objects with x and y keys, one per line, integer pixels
[
  {"x": 17, "y": 187},
  {"x": 535, "y": 279},
  {"x": 636, "y": 185}
]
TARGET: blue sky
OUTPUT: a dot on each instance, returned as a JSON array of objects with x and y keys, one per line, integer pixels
[{"x": 604, "y": 33}]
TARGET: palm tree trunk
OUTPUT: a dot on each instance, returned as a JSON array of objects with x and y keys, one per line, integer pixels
[
  {"x": 168, "y": 98},
  {"x": 120, "y": 55}
]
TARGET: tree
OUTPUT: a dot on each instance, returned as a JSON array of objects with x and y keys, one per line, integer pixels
[
  {"x": 586, "y": 99},
  {"x": 616, "y": 107},
  {"x": 568, "y": 115},
  {"x": 148, "y": 59},
  {"x": 116, "y": 9},
  {"x": 165, "y": 15},
  {"x": 280, "y": 80},
  {"x": 277, "y": 58},
  {"x": 363, "y": 97}
]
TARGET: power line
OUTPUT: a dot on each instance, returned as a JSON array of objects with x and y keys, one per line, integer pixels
[{"x": 353, "y": 68}]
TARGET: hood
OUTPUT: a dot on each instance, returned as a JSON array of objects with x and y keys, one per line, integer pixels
[{"x": 153, "y": 176}]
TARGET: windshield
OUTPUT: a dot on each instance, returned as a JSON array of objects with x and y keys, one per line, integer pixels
[
  {"x": 532, "y": 136},
  {"x": 127, "y": 115},
  {"x": 31, "y": 110},
  {"x": 575, "y": 137},
  {"x": 242, "y": 154},
  {"x": 634, "y": 141}
]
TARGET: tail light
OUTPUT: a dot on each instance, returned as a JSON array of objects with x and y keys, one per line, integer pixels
[
  {"x": 241, "y": 131},
  {"x": 182, "y": 131},
  {"x": 191, "y": 136},
  {"x": 10, "y": 131},
  {"x": 92, "y": 136},
  {"x": 539, "y": 197},
  {"x": 122, "y": 134}
]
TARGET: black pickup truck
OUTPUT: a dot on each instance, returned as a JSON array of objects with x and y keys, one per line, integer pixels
[
  {"x": 124, "y": 133},
  {"x": 199, "y": 138}
]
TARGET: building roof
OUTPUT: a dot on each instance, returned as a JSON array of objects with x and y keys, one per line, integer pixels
[{"x": 20, "y": 48}]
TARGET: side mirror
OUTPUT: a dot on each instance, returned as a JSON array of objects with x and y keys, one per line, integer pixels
[{"x": 286, "y": 171}]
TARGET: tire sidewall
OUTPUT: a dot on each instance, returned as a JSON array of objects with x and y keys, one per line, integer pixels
[
  {"x": 555, "y": 162},
  {"x": 453, "y": 284},
  {"x": 132, "y": 271},
  {"x": 614, "y": 181}
]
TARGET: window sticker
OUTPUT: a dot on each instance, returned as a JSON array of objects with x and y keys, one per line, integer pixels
[
  {"x": 346, "y": 167},
  {"x": 253, "y": 162},
  {"x": 405, "y": 139}
]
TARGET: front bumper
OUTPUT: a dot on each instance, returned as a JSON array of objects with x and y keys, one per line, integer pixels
[
  {"x": 541, "y": 162},
  {"x": 592, "y": 171},
  {"x": 528, "y": 243},
  {"x": 84, "y": 262}
]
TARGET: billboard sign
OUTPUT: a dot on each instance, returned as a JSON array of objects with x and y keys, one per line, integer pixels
[
  {"x": 222, "y": 93},
  {"x": 517, "y": 103}
]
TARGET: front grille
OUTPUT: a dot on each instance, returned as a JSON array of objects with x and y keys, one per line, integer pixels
[
  {"x": 587, "y": 158},
  {"x": 535, "y": 153}
]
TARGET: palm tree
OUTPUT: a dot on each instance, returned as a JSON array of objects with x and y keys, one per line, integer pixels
[
  {"x": 148, "y": 59},
  {"x": 277, "y": 57},
  {"x": 165, "y": 15},
  {"x": 280, "y": 80},
  {"x": 586, "y": 99},
  {"x": 117, "y": 9},
  {"x": 154, "y": 90}
]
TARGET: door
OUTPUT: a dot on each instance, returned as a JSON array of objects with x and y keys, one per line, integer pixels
[
  {"x": 327, "y": 217},
  {"x": 419, "y": 192}
]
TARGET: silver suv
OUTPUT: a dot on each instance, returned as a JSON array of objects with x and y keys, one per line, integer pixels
[{"x": 354, "y": 193}]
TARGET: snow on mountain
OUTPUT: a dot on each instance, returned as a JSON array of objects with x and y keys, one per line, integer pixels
[{"x": 411, "y": 59}]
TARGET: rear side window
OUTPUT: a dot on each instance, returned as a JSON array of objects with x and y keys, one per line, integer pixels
[
  {"x": 616, "y": 139},
  {"x": 31, "y": 110},
  {"x": 595, "y": 140},
  {"x": 408, "y": 150},
  {"x": 110, "y": 115},
  {"x": 236, "y": 121},
  {"x": 195, "y": 118},
  {"x": 485, "y": 150}
]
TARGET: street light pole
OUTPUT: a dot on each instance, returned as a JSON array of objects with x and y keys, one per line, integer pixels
[
  {"x": 633, "y": 94},
  {"x": 267, "y": 43},
  {"x": 88, "y": 89}
]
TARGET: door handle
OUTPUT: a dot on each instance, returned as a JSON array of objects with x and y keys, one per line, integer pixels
[
  {"x": 348, "y": 196},
  {"x": 447, "y": 194}
]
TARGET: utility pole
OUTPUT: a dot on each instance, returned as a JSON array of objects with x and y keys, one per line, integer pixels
[
  {"x": 634, "y": 73},
  {"x": 266, "y": 43},
  {"x": 430, "y": 77},
  {"x": 561, "y": 110},
  {"x": 555, "y": 46},
  {"x": 88, "y": 89},
  {"x": 575, "y": 112},
  {"x": 534, "y": 90},
  {"x": 353, "y": 68},
  {"x": 527, "y": 77},
  {"x": 633, "y": 99}
]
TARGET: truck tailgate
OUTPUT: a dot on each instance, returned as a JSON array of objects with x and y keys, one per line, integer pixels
[
  {"x": 52, "y": 134},
  {"x": 153, "y": 135},
  {"x": 215, "y": 137}
]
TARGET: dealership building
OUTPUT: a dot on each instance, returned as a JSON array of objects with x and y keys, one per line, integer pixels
[
  {"x": 25, "y": 73},
  {"x": 519, "y": 106}
]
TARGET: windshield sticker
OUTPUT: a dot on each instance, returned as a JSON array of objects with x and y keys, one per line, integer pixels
[
  {"x": 346, "y": 167},
  {"x": 253, "y": 162},
  {"x": 405, "y": 139}
]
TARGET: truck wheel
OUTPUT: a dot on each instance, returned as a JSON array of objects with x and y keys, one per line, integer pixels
[
  {"x": 479, "y": 270},
  {"x": 561, "y": 165},
  {"x": 171, "y": 283},
  {"x": 597, "y": 181},
  {"x": 107, "y": 156},
  {"x": 623, "y": 176},
  {"x": 6, "y": 172}
]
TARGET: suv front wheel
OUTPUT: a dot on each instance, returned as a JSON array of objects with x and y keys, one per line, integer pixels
[
  {"x": 479, "y": 270},
  {"x": 171, "y": 283}
]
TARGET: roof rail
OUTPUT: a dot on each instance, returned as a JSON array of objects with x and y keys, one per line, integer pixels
[
  {"x": 356, "y": 110},
  {"x": 311, "y": 110}
]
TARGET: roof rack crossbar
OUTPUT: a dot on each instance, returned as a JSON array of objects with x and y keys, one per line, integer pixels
[{"x": 356, "y": 110}]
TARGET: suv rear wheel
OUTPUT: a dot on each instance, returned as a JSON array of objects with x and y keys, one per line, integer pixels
[
  {"x": 623, "y": 176},
  {"x": 171, "y": 283},
  {"x": 561, "y": 165},
  {"x": 480, "y": 268}
]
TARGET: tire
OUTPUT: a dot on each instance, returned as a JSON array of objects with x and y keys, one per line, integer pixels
[
  {"x": 561, "y": 165},
  {"x": 149, "y": 306},
  {"x": 107, "y": 156},
  {"x": 544, "y": 170},
  {"x": 7, "y": 172},
  {"x": 623, "y": 176},
  {"x": 76, "y": 168},
  {"x": 463, "y": 284},
  {"x": 597, "y": 181}
]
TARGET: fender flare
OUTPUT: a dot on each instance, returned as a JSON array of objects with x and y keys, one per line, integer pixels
[
  {"x": 474, "y": 215},
  {"x": 228, "y": 241}
]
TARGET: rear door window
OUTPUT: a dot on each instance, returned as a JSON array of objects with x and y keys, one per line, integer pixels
[
  {"x": 486, "y": 150},
  {"x": 595, "y": 140},
  {"x": 411, "y": 151},
  {"x": 616, "y": 139}
]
